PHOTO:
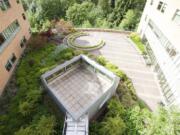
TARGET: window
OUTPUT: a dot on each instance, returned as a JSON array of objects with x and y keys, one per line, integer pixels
[
  {"x": 8, "y": 66},
  {"x": 163, "y": 39},
  {"x": 176, "y": 17},
  {"x": 23, "y": 42},
  {"x": 4, "y": 5},
  {"x": 161, "y": 6},
  {"x": 30, "y": 31},
  {"x": 145, "y": 18},
  {"x": 10, "y": 62},
  {"x": 8, "y": 33},
  {"x": 1, "y": 39},
  {"x": 23, "y": 15},
  {"x": 13, "y": 58},
  {"x": 151, "y": 2}
]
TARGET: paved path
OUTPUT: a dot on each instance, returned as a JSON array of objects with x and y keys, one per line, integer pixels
[{"x": 122, "y": 53}]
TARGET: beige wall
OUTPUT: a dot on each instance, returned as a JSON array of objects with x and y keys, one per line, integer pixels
[
  {"x": 171, "y": 30},
  {"x": 6, "y": 18}
]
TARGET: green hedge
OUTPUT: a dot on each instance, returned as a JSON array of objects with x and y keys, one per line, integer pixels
[{"x": 137, "y": 40}]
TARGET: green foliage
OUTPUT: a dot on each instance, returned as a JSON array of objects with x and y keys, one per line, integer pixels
[
  {"x": 130, "y": 20},
  {"x": 102, "y": 23},
  {"x": 86, "y": 24},
  {"x": 25, "y": 108},
  {"x": 113, "y": 126},
  {"x": 78, "y": 13},
  {"x": 116, "y": 108},
  {"x": 105, "y": 6},
  {"x": 45, "y": 126},
  {"x": 24, "y": 115},
  {"x": 127, "y": 95},
  {"x": 125, "y": 91},
  {"x": 99, "y": 13},
  {"x": 163, "y": 123},
  {"x": 137, "y": 40},
  {"x": 101, "y": 60}
]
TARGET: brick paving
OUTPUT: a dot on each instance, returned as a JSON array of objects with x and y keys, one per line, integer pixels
[{"x": 79, "y": 88}]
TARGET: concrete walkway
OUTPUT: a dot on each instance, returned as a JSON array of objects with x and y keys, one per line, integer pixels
[{"x": 122, "y": 53}]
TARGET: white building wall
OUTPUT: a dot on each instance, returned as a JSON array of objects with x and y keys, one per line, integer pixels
[{"x": 171, "y": 30}]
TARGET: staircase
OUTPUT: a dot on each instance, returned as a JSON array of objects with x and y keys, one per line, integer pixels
[{"x": 72, "y": 127}]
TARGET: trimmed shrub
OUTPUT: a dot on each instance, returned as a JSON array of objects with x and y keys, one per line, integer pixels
[
  {"x": 101, "y": 60},
  {"x": 137, "y": 40}
]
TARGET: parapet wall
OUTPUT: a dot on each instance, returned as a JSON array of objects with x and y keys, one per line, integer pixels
[{"x": 104, "y": 30}]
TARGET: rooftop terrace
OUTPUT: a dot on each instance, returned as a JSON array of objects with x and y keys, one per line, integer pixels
[{"x": 78, "y": 85}]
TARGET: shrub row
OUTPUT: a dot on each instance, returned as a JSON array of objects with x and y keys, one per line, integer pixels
[{"x": 137, "y": 40}]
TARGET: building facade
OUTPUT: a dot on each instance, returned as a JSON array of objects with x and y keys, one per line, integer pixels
[
  {"x": 14, "y": 32},
  {"x": 160, "y": 30}
]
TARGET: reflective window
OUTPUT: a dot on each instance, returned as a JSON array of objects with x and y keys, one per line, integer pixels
[
  {"x": 8, "y": 32},
  {"x": 163, "y": 39},
  {"x": 176, "y": 17},
  {"x": 10, "y": 62},
  {"x": 4, "y": 5},
  {"x": 161, "y": 6}
]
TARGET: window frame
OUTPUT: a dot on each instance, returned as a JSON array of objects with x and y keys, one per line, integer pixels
[
  {"x": 177, "y": 12},
  {"x": 10, "y": 62},
  {"x": 5, "y": 5},
  {"x": 161, "y": 6}
]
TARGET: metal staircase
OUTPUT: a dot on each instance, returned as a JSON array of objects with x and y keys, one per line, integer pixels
[{"x": 72, "y": 127}]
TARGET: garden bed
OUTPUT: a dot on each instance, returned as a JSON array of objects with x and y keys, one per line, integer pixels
[{"x": 71, "y": 42}]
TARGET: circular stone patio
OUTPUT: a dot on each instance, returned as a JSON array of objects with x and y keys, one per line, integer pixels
[
  {"x": 121, "y": 52},
  {"x": 89, "y": 40}
]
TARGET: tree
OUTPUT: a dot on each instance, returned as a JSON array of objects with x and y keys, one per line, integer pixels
[
  {"x": 86, "y": 11},
  {"x": 161, "y": 122},
  {"x": 86, "y": 24},
  {"x": 78, "y": 13},
  {"x": 102, "y": 23},
  {"x": 130, "y": 20},
  {"x": 64, "y": 27},
  {"x": 164, "y": 122},
  {"x": 113, "y": 126},
  {"x": 105, "y": 6}
]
